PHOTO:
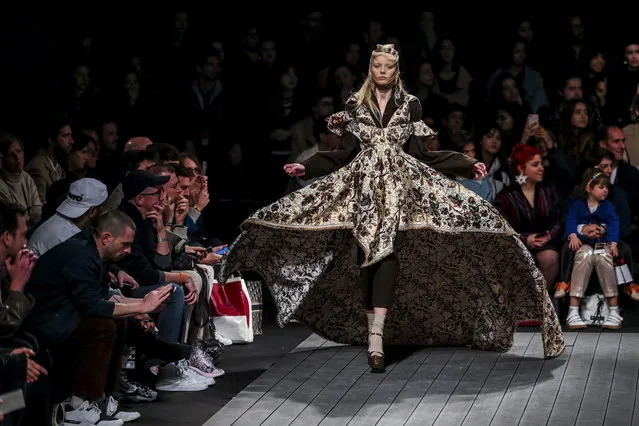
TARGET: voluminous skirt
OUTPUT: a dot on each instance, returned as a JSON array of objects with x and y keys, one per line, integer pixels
[{"x": 465, "y": 277}]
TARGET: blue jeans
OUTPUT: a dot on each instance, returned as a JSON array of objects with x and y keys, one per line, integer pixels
[{"x": 169, "y": 321}]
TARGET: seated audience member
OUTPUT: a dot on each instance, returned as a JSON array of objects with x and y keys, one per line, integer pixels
[
  {"x": 73, "y": 318},
  {"x": 149, "y": 263},
  {"x": 76, "y": 213},
  {"x": 16, "y": 185},
  {"x": 199, "y": 189},
  {"x": 49, "y": 164},
  {"x": 463, "y": 143},
  {"x": 17, "y": 367},
  {"x": 138, "y": 143},
  {"x": 143, "y": 203},
  {"x": 131, "y": 160}
]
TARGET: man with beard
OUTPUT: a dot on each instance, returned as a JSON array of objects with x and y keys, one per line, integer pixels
[
  {"x": 74, "y": 320},
  {"x": 50, "y": 164}
]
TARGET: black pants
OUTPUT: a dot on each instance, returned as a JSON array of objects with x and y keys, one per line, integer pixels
[{"x": 380, "y": 279}]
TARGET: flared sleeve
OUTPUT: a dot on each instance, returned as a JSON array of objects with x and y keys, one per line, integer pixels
[{"x": 323, "y": 163}]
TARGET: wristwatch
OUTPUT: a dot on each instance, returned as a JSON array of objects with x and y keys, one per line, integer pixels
[{"x": 162, "y": 239}]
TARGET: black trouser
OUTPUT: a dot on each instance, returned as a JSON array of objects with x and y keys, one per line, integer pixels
[
  {"x": 380, "y": 279},
  {"x": 153, "y": 347}
]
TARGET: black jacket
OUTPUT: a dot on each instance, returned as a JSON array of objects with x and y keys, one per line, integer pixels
[
  {"x": 67, "y": 285},
  {"x": 143, "y": 264}
]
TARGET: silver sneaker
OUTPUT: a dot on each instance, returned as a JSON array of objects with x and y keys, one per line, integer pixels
[{"x": 179, "y": 378}]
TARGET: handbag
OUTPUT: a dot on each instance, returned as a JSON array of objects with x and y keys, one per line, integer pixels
[
  {"x": 622, "y": 272},
  {"x": 232, "y": 311},
  {"x": 594, "y": 309}
]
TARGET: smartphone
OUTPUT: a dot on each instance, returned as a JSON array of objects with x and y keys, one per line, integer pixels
[
  {"x": 222, "y": 251},
  {"x": 533, "y": 119},
  {"x": 12, "y": 401},
  {"x": 205, "y": 166}
]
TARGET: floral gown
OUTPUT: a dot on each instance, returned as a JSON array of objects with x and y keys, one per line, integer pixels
[{"x": 465, "y": 277}]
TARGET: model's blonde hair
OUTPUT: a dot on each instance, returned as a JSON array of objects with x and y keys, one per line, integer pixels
[{"x": 366, "y": 93}]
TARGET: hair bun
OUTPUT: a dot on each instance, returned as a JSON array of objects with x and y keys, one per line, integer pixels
[{"x": 520, "y": 147}]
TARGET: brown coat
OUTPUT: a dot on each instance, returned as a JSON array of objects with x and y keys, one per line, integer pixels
[{"x": 44, "y": 173}]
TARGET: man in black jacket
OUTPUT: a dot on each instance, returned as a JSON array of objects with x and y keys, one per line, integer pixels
[
  {"x": 72, "y": 316},
  {"x": 150, "y": 253},
  {"x": 16, "y": 264}
]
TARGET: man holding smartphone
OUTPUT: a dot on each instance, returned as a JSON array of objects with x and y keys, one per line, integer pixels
[{"x": 17, "y": 366}]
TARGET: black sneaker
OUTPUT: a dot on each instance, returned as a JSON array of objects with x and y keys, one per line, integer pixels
[
  {"x": 213, "y": 348},
  {"x": 131, "y": 391}
]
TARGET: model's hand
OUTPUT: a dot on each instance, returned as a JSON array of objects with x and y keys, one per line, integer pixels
[
  {"x": 480, "y": 170},
  {"x": 295, "y": 169}
]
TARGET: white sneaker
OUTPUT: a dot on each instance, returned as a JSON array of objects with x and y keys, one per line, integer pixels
[
  {"x": 89, "y": 413},
  {"x": 574, "y": 320},
  {"x": 195, "y": 375},
  {"x": 176, "y": 378},
  {"x": 113, "y": 411},
  {"x": 223, "y": 340},
  {"x": 613, "y": 321}
]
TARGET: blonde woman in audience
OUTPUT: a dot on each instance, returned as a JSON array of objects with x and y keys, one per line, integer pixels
[{"x": 383, "y": 203}]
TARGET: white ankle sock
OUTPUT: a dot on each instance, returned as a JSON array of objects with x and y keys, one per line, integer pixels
[
  {"x": 614, "y": 309},
  {"x": 375, "y": 342},
  {"x": 370, "y": 316},
  {"x": 573, "y": 309}
]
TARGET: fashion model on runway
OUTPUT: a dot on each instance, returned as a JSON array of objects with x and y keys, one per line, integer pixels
[{"x": 386, "y": 248}]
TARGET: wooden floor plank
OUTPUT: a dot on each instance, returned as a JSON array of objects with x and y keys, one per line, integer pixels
[
  {"x": 516, "y": 398},
  {"x": 322, "y": 383},
  {"x": 571, "y": 391},
  {"x": 408, "y": 399},
  {"x": 623, "y": 392},
  {"x": 376, "y": 406},
  {"x": 596, "y": 395},
  {"x": 492, "y": 392},
  {"x": 440, "y": 391}
]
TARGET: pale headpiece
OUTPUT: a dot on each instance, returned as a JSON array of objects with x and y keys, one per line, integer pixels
[{"x": 388, "y": 49}]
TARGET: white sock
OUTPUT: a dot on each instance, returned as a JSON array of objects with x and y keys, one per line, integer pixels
[
  {"x": 614, "y": 309},
  {"x": 573, "y": 309},
  {"x": 375, "y": 342},
  {"x": 370, "y": 316},
  {"x": 75, "y": 402}
]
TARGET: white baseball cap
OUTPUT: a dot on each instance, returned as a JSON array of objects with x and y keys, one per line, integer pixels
[{"x": 83, "y": 194}]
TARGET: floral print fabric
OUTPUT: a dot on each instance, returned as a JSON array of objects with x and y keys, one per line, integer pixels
[{"x": 465, "y": 277}]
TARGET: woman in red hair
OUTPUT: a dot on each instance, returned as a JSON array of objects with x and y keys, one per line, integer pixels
[{"x": 533, "y": 210}]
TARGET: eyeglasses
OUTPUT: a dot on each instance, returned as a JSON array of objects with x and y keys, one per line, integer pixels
[{"x": 153, "y": 194}]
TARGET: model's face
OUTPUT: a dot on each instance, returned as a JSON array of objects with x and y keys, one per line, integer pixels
[{"x": 384, "y": 69}]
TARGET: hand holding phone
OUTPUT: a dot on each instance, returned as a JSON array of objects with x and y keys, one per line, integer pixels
[
  {"x": 12, "y": 401},
  {"x": 222, "y": 251}
]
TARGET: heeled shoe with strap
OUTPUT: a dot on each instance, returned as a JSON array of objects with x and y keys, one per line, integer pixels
[{"x": 376, "y": 359}]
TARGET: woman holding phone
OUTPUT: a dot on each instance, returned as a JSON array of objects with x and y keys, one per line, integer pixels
[{"x": 434, "y": 263}]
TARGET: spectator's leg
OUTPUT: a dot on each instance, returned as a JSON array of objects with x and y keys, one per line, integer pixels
[
  {"x": 95, "y": 339},
  {"x": 115, "y": 367},
  {"x": 190, "y": 329},
  {"x": 169, "y": 320}
]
